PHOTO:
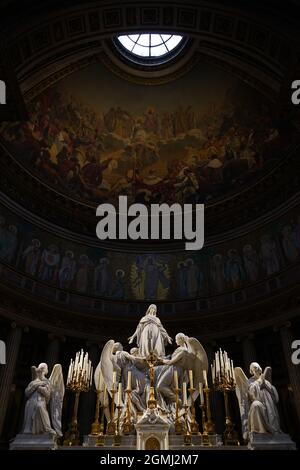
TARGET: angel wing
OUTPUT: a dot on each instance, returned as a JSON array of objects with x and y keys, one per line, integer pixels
[
  {"x": 99, "y": 385},
  {"x": 108, "y": 365},
  {"x": 198, "y": 362},
  {"x": 268, "y": 373},
  {"x": 241, "y": 390},
  {"x": 33, "y": 373},
  {"x": 56, "y": 399}
]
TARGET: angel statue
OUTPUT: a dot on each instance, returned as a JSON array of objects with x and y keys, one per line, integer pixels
[
  {"x": 189, "y": 355},
  {"x": 115, "y": 360},
  {"x": 257, "y": 399},
  {"x": 40, "y": 418},
  {"x": 150, "y": 335}
]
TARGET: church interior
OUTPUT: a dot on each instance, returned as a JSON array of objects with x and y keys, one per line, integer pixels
[{"x": 165, "y": 103}]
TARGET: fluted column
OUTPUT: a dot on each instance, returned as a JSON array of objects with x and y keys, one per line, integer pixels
[
  {"x": 52, "y": 351},
  {"x": 7, "y": 371},
  {"x": 88, "y": 400},
  {"x": 293, "y": 370},
  {"x": 249, "y": 352}
]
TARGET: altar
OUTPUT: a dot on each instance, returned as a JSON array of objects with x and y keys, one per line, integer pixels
[{"x": 147, "y": 400}]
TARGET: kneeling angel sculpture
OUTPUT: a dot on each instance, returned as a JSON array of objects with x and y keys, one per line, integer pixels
[
  {"x": 44, "y": 401},
  {"x": 257, "y": 399}
]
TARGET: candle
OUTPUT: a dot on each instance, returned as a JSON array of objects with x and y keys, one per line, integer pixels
[
  {"x": 176, "y": 379},
  {"x": 217, "y": 365},
  {"x": 205, "y": 378},
  {"x": 184, "y": 393},
  {"x": 119, "y": 401},
  {"x": 114, "y": 379},
  {"x": 129, "y": 380},
  {"x": 99, "y": 381},
  {"x": 201, "y": 393},
  {"x": 91, "y": 375},
  {"x": 191, "y": 379}
]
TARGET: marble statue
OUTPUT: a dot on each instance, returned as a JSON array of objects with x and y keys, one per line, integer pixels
[
  {"x": 150, "y": 335},
  {"x": 189, "y": 355},
  {"x": 43, "y": 408},
  {"x": 257, "y": 400},
  {"x": 117, "y": 365}
]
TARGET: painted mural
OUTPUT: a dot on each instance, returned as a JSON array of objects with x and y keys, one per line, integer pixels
[
  {"x": 149, "y": 276},
  {"x": 95, "y": 136}
]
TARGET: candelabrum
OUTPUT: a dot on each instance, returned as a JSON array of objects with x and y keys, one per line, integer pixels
[
  {"x": 127, "y": 427},
  {"x": 111, "y": 425},
  {"x": 97, "y": 428},
  {"x": 205, "y": 439},
  {"x": 151, "y": 361},
  {"x": 79, "y": 380},
  {"x": 117, "y": 435},
  {"x": 178, "y": 423},
  {"x": 224, "y": 381},
  {"x": 193, "y": 425},
  {"x": 210, "y": 427},
  {"x": 187, "y": 435}
]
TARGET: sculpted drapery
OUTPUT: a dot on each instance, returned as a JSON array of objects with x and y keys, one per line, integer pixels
[{"x": 151, "y": 336}]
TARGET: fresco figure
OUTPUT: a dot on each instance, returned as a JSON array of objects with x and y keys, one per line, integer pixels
[
  {"x": 269, "y": 255},
  {"x": 251, "y": 263},
  {"x": 234, "y": 269},
  {"x": 118, "y": 285},
  {"x": 193, "y": 275},
  {"x": 102, "y": 278},
  {"x": 289, "y": 244},
  {"x": 82, "y": 275},
  {"x": 218, "y": 272},
  {"x": 31, "y": 255},
  {"x": 49, "y": 264},
  {"x": 67, "y": 270},
  {"x": 182, "y": 280}
]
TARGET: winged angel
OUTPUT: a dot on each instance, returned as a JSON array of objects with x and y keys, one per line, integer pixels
[
  {"x": 189, "y": 355},
  {"x": 42, "y": 395},
  {"x": 114, "y": 360},
  {"x": 257, "y": 399}
]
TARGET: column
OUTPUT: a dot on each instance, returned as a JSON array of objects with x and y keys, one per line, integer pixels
[
  {"x": 52, "y": 351},
  {"x": 88, "y": 399},
  {"x": 249, "y": 352},
  {"x": 7, "y": 371},
  {"x": 293, "y": 370}
]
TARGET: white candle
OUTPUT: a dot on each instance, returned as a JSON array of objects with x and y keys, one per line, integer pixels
[
  {"x": 91, "y": 376},
  {"x": 176, "y": 379},
  {"x": 201, "y": 393},
  {"x": 184, "y": 393},
  {"x": 205, "y": 378},
  {"x": 119, "y": 401},
  {"x": 217, "y": 364},
  {"x": 129, "y": 380},
  {"x": 114, "y": 379},
  {"x": 191, "y": 378}
]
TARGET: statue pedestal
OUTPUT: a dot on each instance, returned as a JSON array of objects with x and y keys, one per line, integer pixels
[
  {"x": 152, "y": 431},
  {"x": 259, "y": 441},
  {"x": 45, "y": 441}
]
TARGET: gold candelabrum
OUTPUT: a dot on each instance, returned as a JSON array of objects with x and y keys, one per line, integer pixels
[
  {"x": 117, "y": 435},
  {"x": 178, "y": 423},
  {"x": 151, "y": 361},
  {"x": 79, "y": 380},
  {"x": 193, "y": 425},
  {"x": 224, "y": 381},
  {"x": 111, "y": 425},
  {"x": 127, "y": 427},
  {"x": 97, "y": 428}
]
